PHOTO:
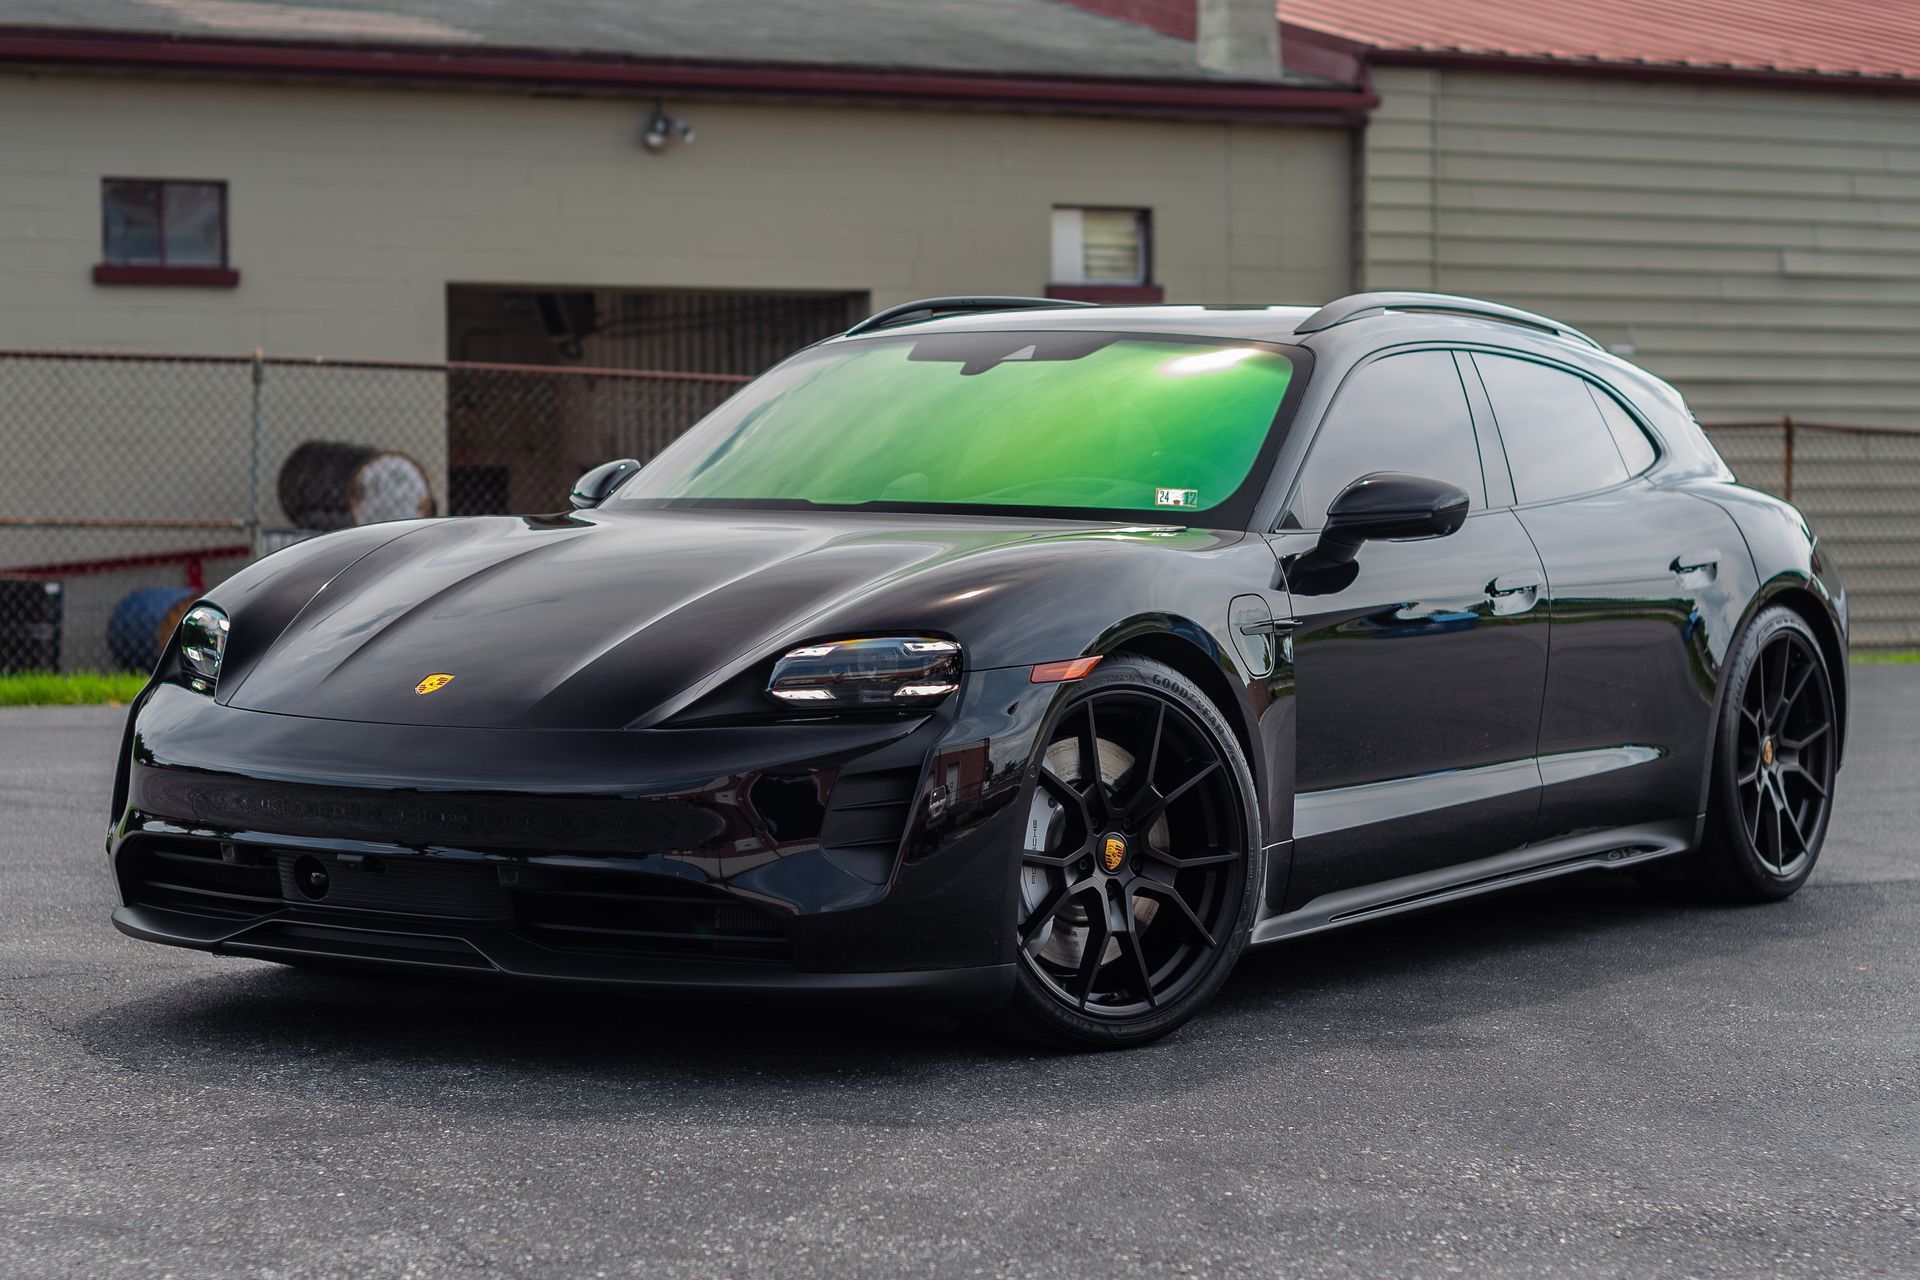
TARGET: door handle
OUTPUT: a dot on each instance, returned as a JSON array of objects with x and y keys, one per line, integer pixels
[
  {"x": 1688, "y": 563},
  {"x": 1513, "y": 593},
  {"x": 1513, "y": 584}
]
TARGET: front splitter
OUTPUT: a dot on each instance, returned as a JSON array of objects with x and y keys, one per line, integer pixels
[{"x": 422, "y": 947}]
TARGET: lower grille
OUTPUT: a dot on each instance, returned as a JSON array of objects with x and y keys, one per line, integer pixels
[
  {"x": 562, "y": 908},
  {"x": 203, "y": 877},
  {"x": 644, "y": 916},
  {"x": 450, "y": 891}
]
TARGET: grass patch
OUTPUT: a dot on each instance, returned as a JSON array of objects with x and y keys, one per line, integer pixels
[
  {"x": 69, "y": 689},
  {"x": 1886, "y": 657}
]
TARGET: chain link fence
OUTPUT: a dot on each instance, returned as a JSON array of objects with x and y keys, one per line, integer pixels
[
  {"x": 130, "y": 483},
  {"x": 1859, "y": 488}
]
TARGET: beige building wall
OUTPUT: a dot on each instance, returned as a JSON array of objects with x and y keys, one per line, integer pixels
[
  {"x": 353, "y": 208},
  {"x": 1760, "y": 248}
]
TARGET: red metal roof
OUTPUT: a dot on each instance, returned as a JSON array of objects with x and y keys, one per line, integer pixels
[{"x": 1868, "y": 38}]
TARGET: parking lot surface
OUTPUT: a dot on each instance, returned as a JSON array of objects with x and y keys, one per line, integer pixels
[{"x": 1576, "y": 1080}]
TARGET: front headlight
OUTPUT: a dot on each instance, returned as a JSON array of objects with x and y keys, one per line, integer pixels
[
  {"x": 891, "y": 671},
  {"x": 203, "y": 643}
]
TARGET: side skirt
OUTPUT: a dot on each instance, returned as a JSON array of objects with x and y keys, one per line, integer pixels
[{"x": 1618, "y": 847}]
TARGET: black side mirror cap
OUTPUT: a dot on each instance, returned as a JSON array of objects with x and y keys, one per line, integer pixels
[
  {"x": 1386, "y": 505},
  {"x": 1391, "y": 505},
  {"x": 597, "y": 485}
]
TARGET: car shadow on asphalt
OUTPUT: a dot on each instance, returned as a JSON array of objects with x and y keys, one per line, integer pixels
[{"x": 478, "y": 1045}]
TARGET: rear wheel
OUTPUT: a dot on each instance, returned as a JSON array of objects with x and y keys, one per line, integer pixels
[
  {"x": 1773, "y": 769},
  {"x": 1138, "y": 875}
]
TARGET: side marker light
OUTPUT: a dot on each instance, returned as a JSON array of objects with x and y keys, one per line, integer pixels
[{"x": 1059, "y": 672}]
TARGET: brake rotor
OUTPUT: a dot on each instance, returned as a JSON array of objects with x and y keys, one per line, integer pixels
[{"x": 1062, "y": 941}]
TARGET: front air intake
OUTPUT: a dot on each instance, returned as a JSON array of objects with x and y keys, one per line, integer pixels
[
  {"x": 618, "y": 913},
  {"x": 866, "y": 819}
]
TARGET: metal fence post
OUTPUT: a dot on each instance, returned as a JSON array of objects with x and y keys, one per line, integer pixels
[
  {"x": 253, "y": 471},
  {"x": 1786, "y": 468}
]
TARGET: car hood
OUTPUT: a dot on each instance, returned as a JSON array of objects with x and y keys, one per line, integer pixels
[{"x": 601, "y": 620}]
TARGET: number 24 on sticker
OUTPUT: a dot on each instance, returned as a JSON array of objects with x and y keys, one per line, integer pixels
[{"x": 1176, "y": 497}]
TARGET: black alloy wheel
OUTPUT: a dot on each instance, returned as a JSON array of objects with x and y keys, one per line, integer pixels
[
  {"x": 1773, "y": 770},
  {"x": 1784, "y": 753},
  {"x": 1137, "y": 880}
]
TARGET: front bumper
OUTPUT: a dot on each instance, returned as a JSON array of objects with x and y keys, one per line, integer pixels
[{"x": 859, "y": 858}]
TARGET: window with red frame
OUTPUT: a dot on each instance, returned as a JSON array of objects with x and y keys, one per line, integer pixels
[{"x": 163, "y": 231}]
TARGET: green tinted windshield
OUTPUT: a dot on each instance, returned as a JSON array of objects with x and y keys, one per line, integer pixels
[{"x": 1035, "y": 419}]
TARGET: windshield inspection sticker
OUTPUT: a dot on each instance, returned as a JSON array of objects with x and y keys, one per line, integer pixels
[{"x": 1176, "y": 497}]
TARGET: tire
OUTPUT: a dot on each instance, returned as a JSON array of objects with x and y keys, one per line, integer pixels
[
  {"x": 1174, "y": 912},
  {"x": 1776, "y": 750}
]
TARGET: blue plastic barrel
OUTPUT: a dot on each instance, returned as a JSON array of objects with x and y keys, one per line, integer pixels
[{"x": 143, "y": 622}]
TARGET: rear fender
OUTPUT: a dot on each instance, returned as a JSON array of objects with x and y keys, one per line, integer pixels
[{"x": 1791, "y": 571}]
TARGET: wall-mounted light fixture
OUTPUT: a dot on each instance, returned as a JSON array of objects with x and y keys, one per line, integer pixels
[{"x": 662, "y": 128}]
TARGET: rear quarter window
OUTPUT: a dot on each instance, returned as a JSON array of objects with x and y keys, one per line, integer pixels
[{"x": 1628, "y": 436}]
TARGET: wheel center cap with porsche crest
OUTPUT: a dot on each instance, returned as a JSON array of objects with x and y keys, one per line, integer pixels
[{"x": 1113, "y": 852}]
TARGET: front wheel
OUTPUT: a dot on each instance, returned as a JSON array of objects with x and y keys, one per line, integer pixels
[{"x": 1139, "y": 873}]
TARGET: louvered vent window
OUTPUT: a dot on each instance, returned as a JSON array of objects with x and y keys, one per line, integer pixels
[{"x": 1101, "y": 246}]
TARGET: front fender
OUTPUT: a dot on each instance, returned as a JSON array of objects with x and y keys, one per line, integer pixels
[
  {"x": 263, "y": 598},
  {"x": 260, "y": 601},
  {"x": 1161, "y": 592},
  {"x": 1064, "y": 596}
]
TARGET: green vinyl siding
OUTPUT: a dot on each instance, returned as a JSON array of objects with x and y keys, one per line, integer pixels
[
  {"x": 1758, "y": 247},
  {"x": 1706, "y": 231}
]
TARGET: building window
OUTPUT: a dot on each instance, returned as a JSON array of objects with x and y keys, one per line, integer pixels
[
  {"x": 1103, "y": 255},
  {"x": 155, "y": 231}
]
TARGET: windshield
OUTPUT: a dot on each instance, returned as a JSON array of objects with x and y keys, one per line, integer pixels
[{"x": 1055, "y": 420}]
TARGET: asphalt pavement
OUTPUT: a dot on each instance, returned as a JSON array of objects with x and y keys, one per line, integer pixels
[{"x": 1577, "y": 1080}]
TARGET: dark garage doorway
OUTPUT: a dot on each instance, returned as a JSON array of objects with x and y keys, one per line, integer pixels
[{"x": 516, "y": 439}]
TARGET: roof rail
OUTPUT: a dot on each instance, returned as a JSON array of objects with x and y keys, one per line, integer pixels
[
  {"x": 1356, "y": 306},
  {"x": 928, "y": 308}
]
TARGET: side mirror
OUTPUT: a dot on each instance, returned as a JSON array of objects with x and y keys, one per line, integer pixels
[
  {"x": 1383, "y": 506},
  {"x": 1388, "y": 505},
  {"x": 597, "y": 485}
]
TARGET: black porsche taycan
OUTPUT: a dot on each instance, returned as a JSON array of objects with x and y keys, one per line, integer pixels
[{"x": 1022, "y": 655}]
